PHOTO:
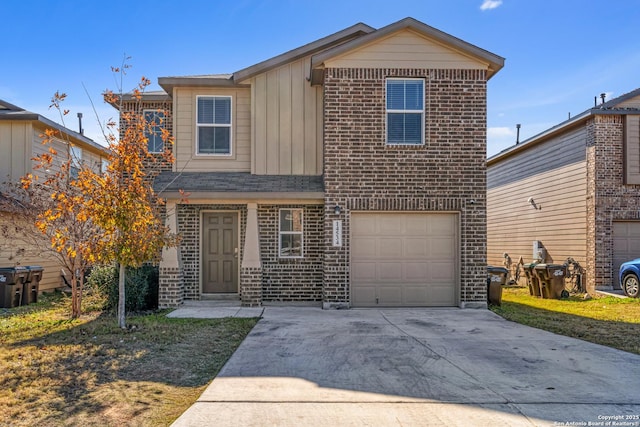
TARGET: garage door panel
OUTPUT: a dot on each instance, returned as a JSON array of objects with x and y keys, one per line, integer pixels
[
  {"x": 416, "y": 271},
  {"x": 415, "y": 295},
  {"x": 389, "y": 271},
  {"x": 414, "y": 262},
  {"x": 389, "y": 226},
  {"x": 443, "y": 225},
  {"x": 441, "y": 247},
  {"x": 365, "y": 246},
  {"x": 364, "y": 295},
  {"x": 416, "y": 247},
  {"x": 389, "y": 295},
  {"x": 363, "y": 271},
  {"x": 390, "y": 247},
  {"x": 442, "y": 295}
]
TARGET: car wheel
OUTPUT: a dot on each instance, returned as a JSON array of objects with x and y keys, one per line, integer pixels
[{"x": 631, "y": 286}]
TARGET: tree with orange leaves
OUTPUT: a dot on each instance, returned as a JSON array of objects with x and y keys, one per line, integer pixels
[
  {"x": 48, "y": 215},
  {"x": 121, "y": 201}
]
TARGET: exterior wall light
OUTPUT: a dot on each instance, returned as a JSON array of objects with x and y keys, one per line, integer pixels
[{"x": 337, "y": 209}]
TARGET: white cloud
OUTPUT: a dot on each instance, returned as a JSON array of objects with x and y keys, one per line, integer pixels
[
  {"x": 490, "y": 4},
  {"x": 500, "y": 132}
]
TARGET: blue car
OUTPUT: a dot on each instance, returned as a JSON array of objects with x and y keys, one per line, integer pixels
[{"x": 630, "y": 278}]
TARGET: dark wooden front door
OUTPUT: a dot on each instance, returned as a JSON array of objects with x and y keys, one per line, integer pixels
[{"x": 220, "y": 252}]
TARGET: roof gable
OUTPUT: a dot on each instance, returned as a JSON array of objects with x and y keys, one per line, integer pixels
[{"x": 416, "y": 38}]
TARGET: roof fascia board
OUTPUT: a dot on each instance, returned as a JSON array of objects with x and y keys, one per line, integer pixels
[
  {"x": 311, "y": 197},
  {"x": 169, "y": 83},
  {"x": 343, "y": 36}
]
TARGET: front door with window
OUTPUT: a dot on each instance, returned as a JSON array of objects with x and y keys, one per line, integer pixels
[{"x": 220, "y": 252}]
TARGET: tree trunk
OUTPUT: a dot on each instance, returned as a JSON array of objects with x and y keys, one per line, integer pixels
[
  {"x": 74, "y": 296},
  {"x": 121, "y": 296}
]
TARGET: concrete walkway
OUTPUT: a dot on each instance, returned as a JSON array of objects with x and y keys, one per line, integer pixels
[{"x": 415, "y": 367}]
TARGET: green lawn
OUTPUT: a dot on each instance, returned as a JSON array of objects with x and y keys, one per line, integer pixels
[
  {"x": 610, "y": 321},
  {"x": 89, "y": 372}
]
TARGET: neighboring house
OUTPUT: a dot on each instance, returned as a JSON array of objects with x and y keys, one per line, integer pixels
[
  {"x": 20, "y": 141},
  {"x": 575, "y": 189},
  {"x": 348, "y": 172}
]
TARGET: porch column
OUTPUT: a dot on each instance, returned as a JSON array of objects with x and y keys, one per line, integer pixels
[
  {"x": 170, "y": 292},
  {"x": 251, "y": 266}
]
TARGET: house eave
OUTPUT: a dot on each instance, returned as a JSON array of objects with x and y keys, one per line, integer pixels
[
  {"x": 245, "y": 197},
  {"x": 493, "y": 61},
  {"x": 169, "y": 83},
  {"x": 343, "y": 36}
]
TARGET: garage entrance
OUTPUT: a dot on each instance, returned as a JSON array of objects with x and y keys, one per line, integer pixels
[
  {"x": 626, "y": 245},
  {"x": 404, "y": 259}
]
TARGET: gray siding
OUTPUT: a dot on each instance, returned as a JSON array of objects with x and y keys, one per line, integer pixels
[{"x": 554, "y": 175}]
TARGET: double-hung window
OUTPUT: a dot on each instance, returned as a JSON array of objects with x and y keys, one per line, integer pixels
[
  {"x": 154, "y": 123},
  {"x": 213, "y": 125},
  {"x": 75, "y": 153},
  {"x": 291, "y": 240},
  {"x": 405, "y": 111}
]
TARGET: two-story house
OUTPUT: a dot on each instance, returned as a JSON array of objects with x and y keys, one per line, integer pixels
[
  {"x": 573, "y": 191},
  {"x": 21, "y": 136},
  {"x": 348, "y": 172}
]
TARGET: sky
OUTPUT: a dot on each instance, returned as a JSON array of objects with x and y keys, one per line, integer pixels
[{"x": 559, "y": 54}]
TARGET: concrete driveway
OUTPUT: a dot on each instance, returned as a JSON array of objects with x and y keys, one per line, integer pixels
[{"x": 415, "y": 367}]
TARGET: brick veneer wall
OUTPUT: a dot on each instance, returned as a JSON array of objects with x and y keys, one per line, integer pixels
[
  {"x": 167, "y": 107},
  {"x": 361, "y": 172},
  {"x": 608, "y": 198},
  {"x": 291, "y": 280},
  {"x": 190, "y": 229}
]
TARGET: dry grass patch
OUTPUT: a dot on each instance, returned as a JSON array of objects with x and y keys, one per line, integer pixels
[
  {"x": 56, "y": 371},
  {"x": 610, "y": 321}
]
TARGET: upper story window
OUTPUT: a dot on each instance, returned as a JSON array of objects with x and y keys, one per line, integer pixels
[
  {"x": 213, "y": 125},
  {"x": 75, "y": 154},
  {"x": 154, "y": 123},
  {"x": 291, "y": 240},
  {"x": 405, "y": 111}
]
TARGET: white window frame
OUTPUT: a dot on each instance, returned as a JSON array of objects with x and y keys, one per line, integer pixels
[
  {"x": 159, "y": 126},
  {"x": 75, "y": 165},
  {"x": 198, "y": 125},
  {"x": 284, "y": 233},
  {"x": 388, "y": 111}
]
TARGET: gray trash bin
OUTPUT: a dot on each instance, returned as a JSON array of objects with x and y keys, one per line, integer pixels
[
  {"x": 11, "y": 284},
  {"x": 496, "y": 278},
  {"x": 31, "y": 287}
]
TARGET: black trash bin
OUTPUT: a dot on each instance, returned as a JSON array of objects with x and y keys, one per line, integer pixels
[
  {"x": 496, "y": 278},
  {"x": 532, "y": 279},
  {"x": 551, "y": 277},
  {"x": 31, "y": 287},
  {"x": 11, "y": 283}
]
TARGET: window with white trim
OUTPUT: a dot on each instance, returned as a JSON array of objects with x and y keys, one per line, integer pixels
[
  {"x": 75, "y": 153},
  {"x": 405, "y": 111},
  {"x": 291, "y": 241},
  {"x": 213, "y": 125},
  {"x": 154, "y": 123}
]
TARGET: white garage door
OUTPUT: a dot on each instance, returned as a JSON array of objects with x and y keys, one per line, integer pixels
[
  {"x": 404, "y": 259},
  {"x": 626, "y": 244}
]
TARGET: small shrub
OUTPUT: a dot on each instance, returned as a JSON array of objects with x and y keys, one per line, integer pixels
[{"x": 141, "y": 287}]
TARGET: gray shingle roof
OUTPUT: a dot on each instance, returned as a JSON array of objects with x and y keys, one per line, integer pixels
[{"x": 236, "y": 182}]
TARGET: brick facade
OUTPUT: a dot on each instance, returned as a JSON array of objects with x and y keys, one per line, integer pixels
[
  {"x": 608, "y": 198},
  {"x": 279, "y": 279},
  {"x": 296, "y": 279},
  {"x": 447, "y": 173}
]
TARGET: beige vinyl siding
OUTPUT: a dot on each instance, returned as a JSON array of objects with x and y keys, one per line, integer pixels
[
  {"x": 185, "y": 131},
  {"x": 632, "y": 149},
  {"x": 15, "y": 146},
  {"x": 10, "y": 256},
  {"x": 287, "y": 122},
  {"x": 405, "y": 49},
  {"x": 630, "y": 103},
  {"x": 554, "y": 175}
]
